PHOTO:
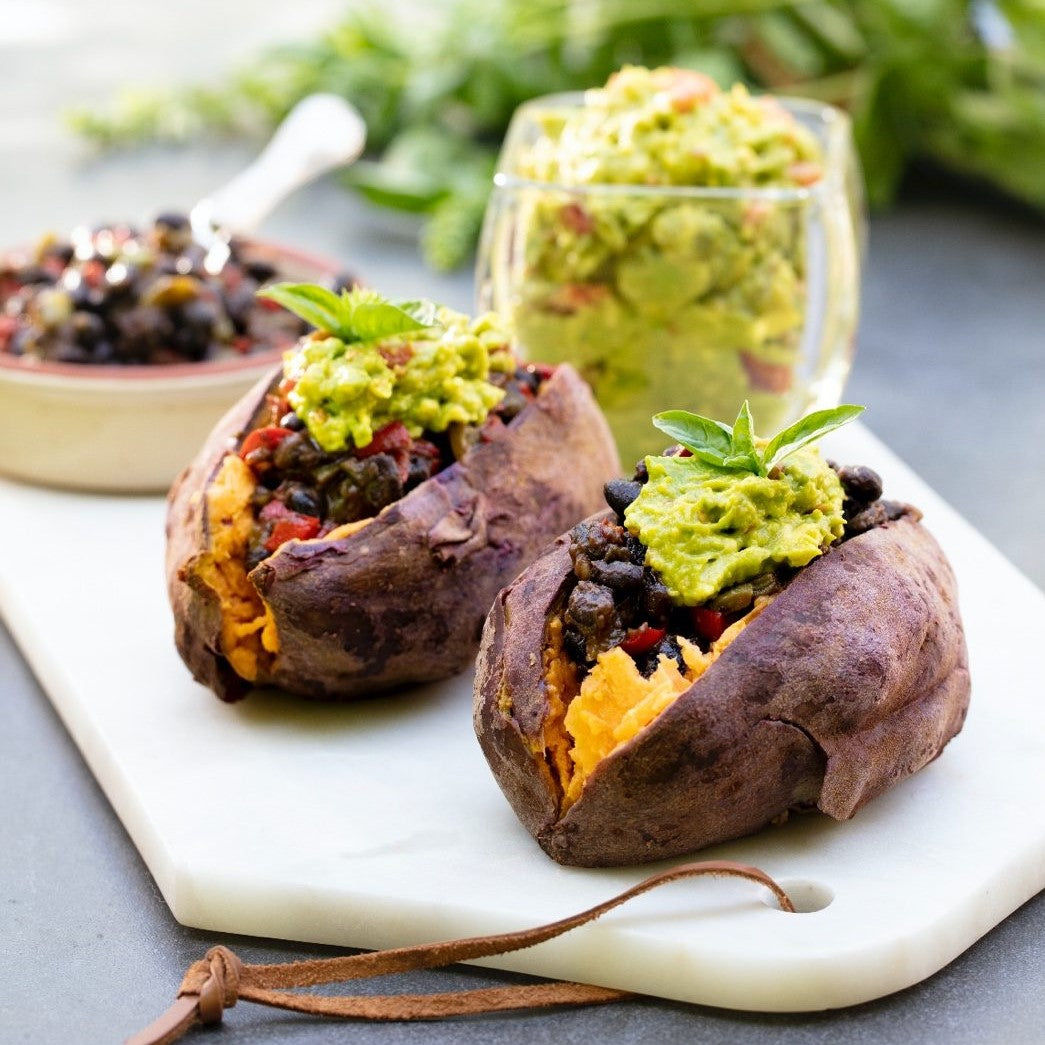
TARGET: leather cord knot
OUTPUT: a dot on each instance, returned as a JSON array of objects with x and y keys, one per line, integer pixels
[{"x": 214, "y": 980}]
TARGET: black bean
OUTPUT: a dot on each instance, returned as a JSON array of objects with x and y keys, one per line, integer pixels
[
  {"x": 260, "y": 497},
  {"x": 292, "y": 421},
  {"x": 103, "y": 352},
  {"x": 656, "y": 600},
  {"x": 597, "y": 539},
  {"x": 589, "y": 604},
  {"x": 381, "y": 482},
  {"x": 260, "y": 270},
  {"x": 297, "y": 454},
  {"x": 636, "y": 549},
  {"x": 69, "y": 352},
  {"x": 528, "y": 378},
  {"x": 88, "y": 328},
  {"x": 574, "y": 646},
  {"x": 667, "y": 647},
  {"x": 875, "y": 514},
  {"x": 592, "y": 611},
  {"x": 35, "y": 274},
  {"x": 200, "y": 313},
  {"x": 620, "y": 576},
  {"x": 861, "y": 484},
  {"x": 619, "y": 493},
  {"x": 239, "y": 303},
  {"x": 513, "y": 403},
  {"x": 63, "y": 252},
  {"x": 172, "y": 220},
  {"x": 257, "y": 553},
  {"x": 422, "y": 467},
  {"x": 300, "y": 498}
]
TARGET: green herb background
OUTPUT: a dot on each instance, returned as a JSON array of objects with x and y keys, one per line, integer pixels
[{"x": 961, "y": 84}]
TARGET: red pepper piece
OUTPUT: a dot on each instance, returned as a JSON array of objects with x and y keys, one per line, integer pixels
[
  {"x": 292, "y": 525},
  {"x": 8, "y": 327},
  {"x": 387, "y": 439},
  {"x": 577, "y": 219},
  {"x": 767, "y": 377},
  {"x": 642, "y": 639},
  {"x": 542, "y": 370},
  {"x": 93, "y": 273},
  {"x": 268, "y": 437},
  {"x": 709, "y": 624}
]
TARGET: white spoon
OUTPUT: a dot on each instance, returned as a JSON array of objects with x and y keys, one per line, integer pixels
[{"x": 321, "y": 132}]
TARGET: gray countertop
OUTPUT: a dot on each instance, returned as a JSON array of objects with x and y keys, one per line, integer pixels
[{"x": 951, "y": 363}]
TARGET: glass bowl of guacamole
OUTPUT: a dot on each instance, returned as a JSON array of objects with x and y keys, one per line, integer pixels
[{"x": 679, "y": 244}]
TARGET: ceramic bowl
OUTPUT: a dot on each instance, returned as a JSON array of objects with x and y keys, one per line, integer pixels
[{"x": 127, "y": 429}]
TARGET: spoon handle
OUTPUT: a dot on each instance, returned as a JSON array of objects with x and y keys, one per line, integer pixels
[{"x": 321, "y": 132}]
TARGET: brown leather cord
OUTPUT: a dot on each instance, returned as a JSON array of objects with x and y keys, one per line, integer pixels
[{"x": 218, "y": 981}]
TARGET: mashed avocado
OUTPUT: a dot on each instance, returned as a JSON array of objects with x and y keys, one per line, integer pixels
[
  {"x": 649, "y": 293},
  {"x": 427, "y": 379},
  {"x": 706, "y": 528},
  {"x": 675, "y": 127}
]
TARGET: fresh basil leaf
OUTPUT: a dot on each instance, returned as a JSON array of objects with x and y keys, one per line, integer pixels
[
  {"x": 709, "y": 440},
  {"x": 316, "y": 305},
  {"x": 371, "y": 317},
  {"x": 424, "y": 311},
  {"x": 747, "y": 462},
  {"x": 811, "y": 427},
  {"x": 743, "y": 452},
  {"x": 356, "y": 315}
]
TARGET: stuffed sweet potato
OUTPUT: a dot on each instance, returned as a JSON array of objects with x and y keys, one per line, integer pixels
[
  {"x": 629, "y": 716},
  {"x": 347, "y": 525}
]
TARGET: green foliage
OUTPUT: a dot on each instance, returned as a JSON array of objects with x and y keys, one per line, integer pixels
[
  {"x": 716, "y": 443},
  {"x": 353, "y": 315},
  {"x": 919, "y": 78}
]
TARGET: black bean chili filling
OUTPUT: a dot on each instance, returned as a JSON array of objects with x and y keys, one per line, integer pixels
[
  {"x": 304, "y": 491},
  {"x": 619, "y": 601},
  {"x": 116, "y": 295}
]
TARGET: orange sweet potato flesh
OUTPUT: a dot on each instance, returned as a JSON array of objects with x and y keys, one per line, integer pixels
[
  {"x": 853, "y": 678},
  {"x": 401, "y": 600}
]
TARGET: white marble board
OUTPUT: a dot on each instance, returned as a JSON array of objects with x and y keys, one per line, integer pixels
[{"x": 378, "y": 824}]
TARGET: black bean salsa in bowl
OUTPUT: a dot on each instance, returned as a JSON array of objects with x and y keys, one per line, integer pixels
[
  {"x": 120, "y": 348},
  {"x": 116, "y": 295}
]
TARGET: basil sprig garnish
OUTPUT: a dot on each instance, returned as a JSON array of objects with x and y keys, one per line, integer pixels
[
  {"x": 353, "y": 315},
  {"x": 716, "y": 443}
]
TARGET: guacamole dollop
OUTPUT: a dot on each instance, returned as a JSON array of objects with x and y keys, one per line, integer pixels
[
  {"x": 426, "y": 378},
  {"x": 673, "y": 126},
  {"x": 649, "y": 293},
  {"x": 706, "y": 528}
]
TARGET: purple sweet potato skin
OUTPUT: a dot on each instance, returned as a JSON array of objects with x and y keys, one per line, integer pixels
[
  {"x": 852, "y": 679},
  {"x": 402, "y": 600}
]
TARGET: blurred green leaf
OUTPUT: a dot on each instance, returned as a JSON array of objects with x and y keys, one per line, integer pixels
[{"x": 962, "y": 84}]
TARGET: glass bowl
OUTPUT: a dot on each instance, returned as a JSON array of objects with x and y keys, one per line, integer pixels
[
  {"x": 677, "y": 297},
  {"x": 128, "y": 429}
]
